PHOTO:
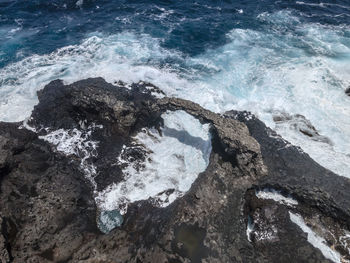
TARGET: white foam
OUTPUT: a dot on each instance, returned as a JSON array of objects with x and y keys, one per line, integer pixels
[
  {"x": 108, "y": 220},
  {"x": 25, "y": 125},
  {"x": 175, "y": 159},
  {"x": 315, "y": 240},
  {"x": 125, "y": 57},
  {"x": 276, "y": 196},
  {"x": 266, "y": 234},
  {"x": 155, "y": 94},
  {"x": 345, "y": 241},
  {"x": 295, "y": 67},
  {"x": 164, "y": 13},
  {"x": 265, "y": 72},
  {"x": 322, "y": 4},
  {"x": 250, "y": 229},
  {"x": 79, "y": 3},
  {"x": 75, "y": 142}
]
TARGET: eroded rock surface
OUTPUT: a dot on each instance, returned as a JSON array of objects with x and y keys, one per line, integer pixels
[
  {"x": 299, "y": 123},
  {"x": 49, "y": 182}
]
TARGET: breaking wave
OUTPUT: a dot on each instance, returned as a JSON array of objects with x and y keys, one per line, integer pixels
[{"x": 287, "y": 66}]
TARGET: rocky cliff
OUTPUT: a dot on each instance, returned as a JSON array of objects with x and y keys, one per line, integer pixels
[{"x": 259, "y": 199}]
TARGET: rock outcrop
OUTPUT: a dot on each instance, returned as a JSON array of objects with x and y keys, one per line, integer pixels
[
  {"x": 347, "y": 91},
  {"x": 249, "y": 205}
]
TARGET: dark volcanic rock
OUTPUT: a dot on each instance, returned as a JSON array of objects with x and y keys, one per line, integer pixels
[
  {"x": 347, "y": 91},
  {"x": 293, "y": 171},
  {"x": 301, "y": 124},
  {"x": 47, "y": 208}
]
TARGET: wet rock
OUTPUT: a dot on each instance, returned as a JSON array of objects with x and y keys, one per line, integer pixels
[
  {"x": 293, "y": 171},
  {"x": 271, "y": 227},
  {"x": 347, "y": 91},
  {"x": 299, "y": 123},
  {"x": 47, "y": 189}
]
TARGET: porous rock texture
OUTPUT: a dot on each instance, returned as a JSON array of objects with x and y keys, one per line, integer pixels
[{"x": 47, "y": 207}]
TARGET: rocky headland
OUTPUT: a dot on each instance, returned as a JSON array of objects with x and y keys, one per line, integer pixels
[{"x": 258, "y": 199}]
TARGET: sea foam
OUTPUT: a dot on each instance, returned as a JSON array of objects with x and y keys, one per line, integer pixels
[
  {"x": 175, "y": 159},
  {"x": 291, "y": 66}
]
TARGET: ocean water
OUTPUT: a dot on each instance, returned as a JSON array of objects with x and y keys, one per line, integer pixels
[
  {"x": 268, "y": 57},
  {"x": 168, "y": 172}
]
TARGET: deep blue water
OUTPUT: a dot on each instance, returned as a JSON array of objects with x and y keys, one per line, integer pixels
[
  {"x": 39, "y": 27},
  {"x": 266, "y": 56}
]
